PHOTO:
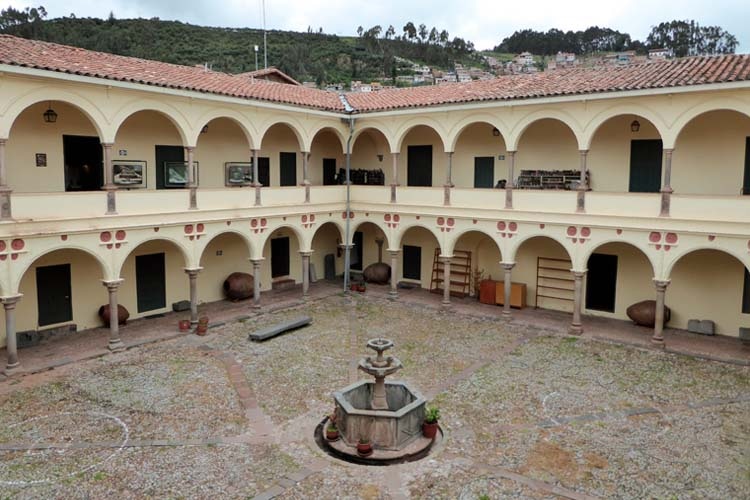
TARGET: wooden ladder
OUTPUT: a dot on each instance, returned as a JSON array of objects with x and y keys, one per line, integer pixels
[{"x": 460, "y": 273}]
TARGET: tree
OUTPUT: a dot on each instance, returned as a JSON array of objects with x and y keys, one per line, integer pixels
[
  {"x": 689, "y": 38},
  {"x": 410, "y": 31},
  {"x": 423, "y": 32},
  {"x": 390, "y": 32},
  {"x": 444, "y": 37},
  {"x": 433, "y": 38},
  {"x": 360, "y": 30}
]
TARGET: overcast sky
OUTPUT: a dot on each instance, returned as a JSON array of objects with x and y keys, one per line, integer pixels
[{"x": 485, "y": 22}]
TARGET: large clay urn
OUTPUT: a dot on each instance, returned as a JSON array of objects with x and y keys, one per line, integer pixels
[
  {"x": 122, "y": 314},
  {"x": 239, "y": 286},
  {"x": 378, "y": 273},
  {"x": 644, "y": 313}
]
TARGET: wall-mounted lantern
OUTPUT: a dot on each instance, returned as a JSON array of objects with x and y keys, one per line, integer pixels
[
  {"x": 50, "y": 116},
  {"x": 495, "y": 132},
  {"x": 635, "y": 126}
]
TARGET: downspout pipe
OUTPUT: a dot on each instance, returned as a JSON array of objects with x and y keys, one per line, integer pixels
[{"x": 347, "y": 232}]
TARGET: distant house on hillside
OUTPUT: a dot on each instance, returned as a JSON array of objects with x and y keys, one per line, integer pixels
[
  {"x": 271, "y": 74},
  {"x": 524, "y": 59},
  {"x": 659, "y": 53}
]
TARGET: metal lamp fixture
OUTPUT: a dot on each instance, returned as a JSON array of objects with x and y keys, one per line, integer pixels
[
  {"x": 495, "y": 132},
  {"x": 204, "y": 130},
  {"x": 50, "y": 116},
  {"x": 635, "y": 126}
]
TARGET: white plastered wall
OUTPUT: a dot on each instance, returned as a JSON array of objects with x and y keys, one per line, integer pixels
[
  {"x": 477, "y": 140},
  {"x": 224, "y": 255},
  {"x": 280, "y": 138},
  {"x": 295, "y": 259},
  {"x": 423, "y": 136},
  {"x": 365, "y": 153},
  {"x": 421, "y": 237},
  {"x": 325, "y": 145},
  {"x": 547, "y": 145},
  {"x": 223, "y": 142}
]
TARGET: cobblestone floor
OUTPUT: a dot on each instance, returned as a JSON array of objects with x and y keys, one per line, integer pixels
[{"x": 528, "y": 413}]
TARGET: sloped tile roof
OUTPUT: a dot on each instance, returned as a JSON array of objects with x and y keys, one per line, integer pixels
[
  {"x": 653, "y": 75},
  {"x": 270, "y": 71},
  {"x": 62, "y": 58}
]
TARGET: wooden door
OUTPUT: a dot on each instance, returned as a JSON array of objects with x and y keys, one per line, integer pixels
[
  {"x": 601, "y": 282},
  {"x": 419, "y": 166},
  {"x": 167, "y": 154},
  {"x": 645, "y": 166},
  {"x": 280, "y": 257},
  {"x": 264, "y": 171},
  {"x": 53, "y": 294},
  {"x": 329, "y": 171},
  {"x": 357, "y": 253},
  {"x": 412, "y": 262},
  {"x": 484, "y": 171},
  {"x": 150, "y": 282},
  {"x": 84, "y": 165},
  {"x": 288, "y": 169}
]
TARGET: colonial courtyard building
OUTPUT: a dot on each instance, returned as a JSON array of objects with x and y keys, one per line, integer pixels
[{"x": 143, "y": 183}]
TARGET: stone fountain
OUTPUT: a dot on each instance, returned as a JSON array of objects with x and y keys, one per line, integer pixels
[{"x": 388, "y": 413}]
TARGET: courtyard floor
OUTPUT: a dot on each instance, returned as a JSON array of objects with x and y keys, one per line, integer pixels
[{"x": 528, "y": 412}]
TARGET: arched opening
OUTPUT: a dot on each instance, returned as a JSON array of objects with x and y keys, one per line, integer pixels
[
  {"x": 278, "y": 161},
  {"x": 148, "y": 143},
  {"x": 154, "y": 278},
  {"x": 479, "y": 159},
  {"x": 223, "y": 153},
  {"x": 63, "y": 155},
  {"x": 370, "y": 245},
  {"x": 422, "y": 161},
  {"x": 712, "y": 155},
  {"x": 625, "y": 155},
  {"x": 483, "y": 257},
  {"x": 282, "y": 265},
  {"x": 543, "y": 266},
  {"x": 709, "y": 285},
  {"x": 619, "y": 275},
  {"x": 418, "y": 249},
  {"x": 328, "y": 256},
  {"x": 547, "y": 156},
  {"x": 326, "y": 158},
  {"x": 62, "y": 292},
  {"x": 225, "y": 254},
  {"x": 371, "y": 153}
]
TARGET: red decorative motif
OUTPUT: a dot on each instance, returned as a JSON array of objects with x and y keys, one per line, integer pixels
[
  {"x": 572, "y": 231},
  {"x": 109, "y": 246},
  {"x": 120, "y": 235},
  {"x": 585, "y": 232},
  {"x": 14, "y": 256},
  {"x": 201, "y": 227},
  {"x": 387, "y": 217},
  {"x": 397, "y": 217},
  {"x": 451, "y": 222},
  {"x": 188, "y": 229},
  {"x": 654, "y": 237},
  {"x": 63, "y": 237},
  {"x": 445, "y": 224},
  {"x": 391, "y": 221},
  {"x": 541, "y": 226},
  {"x": 156, "y": 229},
  {"x": 513, "y": 227},
  {"x": 312, "y": 217},
  {"x": 3, "y": 257},
  {"x": 671, "y": 238},
  {"x": 343, "y": 215},
  {"x": 258, "y": 225},
  {"x": 507, "y": 229},
  {"x": 474, "y": 221},
  {"x": 17, "y": 244},
  {"x": 3, "y": 246},
  {"x": 105, "y": 237},
  {"x": 501, "y": 226},
  {"x": 578, "y": 235},
  {"x": 229, "y": 223},
  {"x": 308, "y": 221},
  {"x": 619, "y": 231},
  {"x": 440, "y": 221},
  {"x": 304, "y": 219},
  {"x": 117, "y": 245},
  {"x": 367, "y": 214},
  {"x": 711, "y": 237},
  {"x": 253, "y": 222},
  {"x": 662, "y": 240}
]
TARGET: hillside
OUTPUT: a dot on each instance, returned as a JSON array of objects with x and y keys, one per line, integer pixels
[{"x": 305, "y": 56}]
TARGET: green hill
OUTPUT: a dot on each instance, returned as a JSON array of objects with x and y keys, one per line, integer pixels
[{"x": 305, "y": 56}]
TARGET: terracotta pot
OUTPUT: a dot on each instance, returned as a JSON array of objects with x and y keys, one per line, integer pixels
[
  {"x": 332, "y": 435},
  {"x": 353, "y": 287},
  {"x": 364, "y": 449},
  {"x": 184, "y": 325},
  {"x": 644, "y": 313},
  {"x": 122, "y": 314},
  {"x": 203, "y": 320},
  {"x": 201, "y": 329},
  {"x": 239, "y": 286},
  {"x": 362, "y": 289},
  {"x": 429, "y": 430},
  {"x": 378, "y": 273}
]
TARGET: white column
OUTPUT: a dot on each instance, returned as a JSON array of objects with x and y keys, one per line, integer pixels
[
  {"x": 305, "y": 174},
  {"x": 193, "y": 277},
  {"x": 256, "y": 283},
  {"x": 305, "y": 274},
  {"x": 394, "y": 176},
  {"x": 661, "y": 289},
  {"x": 256, "y": 181},
  {"x": 5, "y": 207},
  {"x": 509, "y": 183},
  {"x": 115, "y": 344},
  {"x": 393, "y": 292},
  {"x": 448, "y": 180},
  {"x": 190, "y": 150},
  {"x": 446, "y": 280},
  {"x": 109, "y": 185},
  {"x": 666, "y": 190},
  {"x": 9, "y": 303},
  {"x": 576, "y": 328},
  {"x": 583, "y": 183},
  {"x": 508, "y": 269}
]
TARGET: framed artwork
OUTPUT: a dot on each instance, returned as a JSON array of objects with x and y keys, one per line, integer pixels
[
  {"x": 41, "y": 159},
  {"x": 129, "y": 173},
  {"x": 176, "y": 173},
  {"x": 238, "y": 173}
]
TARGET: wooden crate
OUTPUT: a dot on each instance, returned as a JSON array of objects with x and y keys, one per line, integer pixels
[{"x": 517, "y": 294}]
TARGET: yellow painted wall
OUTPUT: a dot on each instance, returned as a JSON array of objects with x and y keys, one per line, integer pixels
[
  {"x": 525, "y": 270},
  {"x": 485, "y": 256},
  {"x": 709, "y": 156},
  {"x": 420, "y": 237},
  {"x": 295, "y": 259},
  {"x": 31, "y": 135},
  {"x": 423, "y": 136},
  {"x": 609, "y": 155},
  {"x": 278, "y": 139},
  {"x": 365, "y": 153},
  {"x": 477, "y": 140},
  {"x": 547, "y": 145},
  {"x": 223, "y": 142},
  {"x": 325, "y": 145},
  {"x": 326, "y": 241},
  {"x": 234, "y": 258},
  {"x": 369, "y": 247}
]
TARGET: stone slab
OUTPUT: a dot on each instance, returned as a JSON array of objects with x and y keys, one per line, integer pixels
[
  {"x": 182, "y": 305},
  {"x": 278, "y": 329},
  {"x": 702, "y": 326}
]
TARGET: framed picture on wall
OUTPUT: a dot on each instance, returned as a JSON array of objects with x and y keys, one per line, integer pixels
[
  {"x": 129, "y": 173},
  {"x": 176, "y": 173},
  {"x": 238, "y": 173}
]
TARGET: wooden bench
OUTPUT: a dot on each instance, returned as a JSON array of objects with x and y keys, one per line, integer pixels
[{"x": 280, "y": 328}]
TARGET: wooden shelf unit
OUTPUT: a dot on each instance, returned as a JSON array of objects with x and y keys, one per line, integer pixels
[
  {"x": 550, "y": 179},
  {"x": 460, "y": 273},
  {"x": 555, "y": 284}
]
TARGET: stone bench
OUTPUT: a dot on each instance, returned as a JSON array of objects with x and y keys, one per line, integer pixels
[{"x": 280, "y": 328}]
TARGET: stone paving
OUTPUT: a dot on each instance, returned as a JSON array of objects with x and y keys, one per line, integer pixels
[{"x": 528, "y": 413}]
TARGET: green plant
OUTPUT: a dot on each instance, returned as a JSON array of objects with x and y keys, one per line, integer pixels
[
  {"x": 364, "y": 440},
  {"x": 332, "y": 428},
  {"x": 432, "y": 414}
]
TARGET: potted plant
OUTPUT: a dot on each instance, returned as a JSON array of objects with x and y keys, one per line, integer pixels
[
  {"x": 332, "y": 432},
  {"x": 202, "y": 325},
  {"x": 184, "y": 325},
  {"x": 364, "y": 447},
  {"x": 362, "y": 287},
  {"x": 430, "y": 425}
]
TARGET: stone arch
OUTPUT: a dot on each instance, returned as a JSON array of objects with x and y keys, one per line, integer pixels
[
  {"x": 453, "y": 240},
  {"x": 374, "y": 128},
  {"x": 460, "y": 127},
  {"x": 589, "y": 250},
  {"x": 203, "y": 245},
  {"x": 410, "y": 125},
  {"x": 637, "y": 110},
  {"x": 514, "y": 247},
  {"x": 173, "y": 114},
  {"x": 14, "y": 109},
  {"x": 669, "y": 266},
  {"x": 356, "y": 225},
  {"x": 107, "y": 273},
  {"x": 327, "y": 128},
  {"x": 339, "y": 228},
  {"x": 399, "y": 236},
  {"x": 290, "y": 123},
  {"x": 234, "y": 116},
  {"x": 186, "y": 254},
  {"x": 517, "y": 131},
  {"x": 302, "y": 239},
  {"x": 723, "y": 104}
]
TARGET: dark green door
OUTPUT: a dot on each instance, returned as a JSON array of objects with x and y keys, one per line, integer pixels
[
  {"x": 356, "y": 255},
  {"x": 288, "y": 169},
  {"x": 83, "y": 163},
  {"x": 329, "y": 171},
  {"x": 412, "y": 262},
  {"x": 53, "y": 294},
  {"x": 746, "y": 181},
  {"x": 601, "y": 282},
  {"x": 419, "y": 166},
  {"x": 484, "y": 171},
  {"x": 746, "y": 294},
  {"x": 264, "y": 171},
  {"x": 645, "y": 166},
  {"x": 279, "y": 257},
  {"x": 165, "y": 154},
  {"x": 150, "y": 283}
]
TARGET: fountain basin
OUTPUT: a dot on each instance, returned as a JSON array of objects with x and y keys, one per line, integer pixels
[{"x": 391, "y": 429}]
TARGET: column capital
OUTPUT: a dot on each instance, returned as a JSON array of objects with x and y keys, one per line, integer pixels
[
  {"x": 306, "y": 253},
  {"x": 508, "y": 265},
  {"x": 445, "y": 258},
  {"x": 449, "y": 153},
  {"x": 189, "y": 148},
  {"x": 583, "y": 151},
  {"x": 256, "y": 261},
  {"x": 107, "y": 145},
  {"x": 344, "y": 246},
  {"x": 112, "y": 284},
  {"x": 578, "y": 274},
  {"x": 668, "y": 151},
  {"x": 394, "y": 251},
  {"x": 511, "y": 152},
  {"x": 10, "y": 301},
  {"x": 661, "y": 285},
  {"x": 3, "y": 141},
  {"x": 192, "y": 271}
]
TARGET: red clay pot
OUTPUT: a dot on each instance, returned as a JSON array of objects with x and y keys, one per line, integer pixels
[
  {"x": 364, "y": 449},
  {"x": 332, "y": 435},
  {"x": 184, "y": 325},
  {"x": 201, "y": 329},
  {"x": 429, "y": 430}
]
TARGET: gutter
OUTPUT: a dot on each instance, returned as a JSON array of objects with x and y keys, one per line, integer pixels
[{"x": 349, "y": 110}]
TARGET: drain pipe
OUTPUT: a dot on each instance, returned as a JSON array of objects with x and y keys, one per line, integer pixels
[{"x": 347, "y": 248}]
